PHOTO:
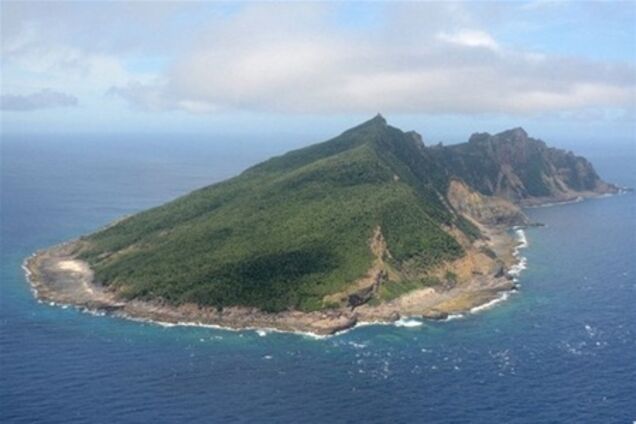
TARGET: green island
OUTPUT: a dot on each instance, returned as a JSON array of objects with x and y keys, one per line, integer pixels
[{"x": 368, "y": 226}]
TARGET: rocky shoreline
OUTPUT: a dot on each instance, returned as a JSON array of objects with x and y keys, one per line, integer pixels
[{"x": 57, "y": 276}]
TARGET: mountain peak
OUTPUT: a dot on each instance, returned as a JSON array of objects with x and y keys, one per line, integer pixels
[
  {"x": 376, "y": 122},
  {"x": 379, "y": 119},
  {"x": 477, "y": 137},
  {"x": 514, "y": 134}
]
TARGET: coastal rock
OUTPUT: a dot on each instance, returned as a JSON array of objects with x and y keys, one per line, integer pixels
[
  {"x": 501, "y": 272},
  {"x": 435, "y": 315},
  {"x": 333, "y": 325}
]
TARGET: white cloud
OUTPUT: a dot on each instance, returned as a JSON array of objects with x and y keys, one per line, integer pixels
[
  {"x": 256, "y": 61},
  {"x": 149, "y": 97},
  {"x": 470, "y": 38},
  {"x": 297, "y": 58},
  {"x": 52, "y": 46}
]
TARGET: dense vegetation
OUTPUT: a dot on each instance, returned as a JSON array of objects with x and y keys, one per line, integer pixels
[
  {"x": 284, "y": 233},
  {"x": 293, "y": 229}
]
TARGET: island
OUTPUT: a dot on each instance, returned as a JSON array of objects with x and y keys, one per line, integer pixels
[{"x": 370, "y": 226}]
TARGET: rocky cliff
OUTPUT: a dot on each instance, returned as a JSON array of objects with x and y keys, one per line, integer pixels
[{"x": 521, "y": 169}]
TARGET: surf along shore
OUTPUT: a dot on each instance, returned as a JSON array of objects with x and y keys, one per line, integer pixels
[{"x": 58, "y": 277}]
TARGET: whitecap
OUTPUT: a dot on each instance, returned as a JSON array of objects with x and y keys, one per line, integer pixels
[
  {"x": 357, "y": 345},
  {"x": 405, "y": 322},
  {"x": 591, "y": 331}
]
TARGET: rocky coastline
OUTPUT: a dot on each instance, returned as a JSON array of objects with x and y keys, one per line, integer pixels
[{"x": 58, "y": 277}]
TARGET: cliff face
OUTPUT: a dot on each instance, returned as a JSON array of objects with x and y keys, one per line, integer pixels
[
  {"x": 487, "y": 210},
  {"x": 521, "y": 169}
]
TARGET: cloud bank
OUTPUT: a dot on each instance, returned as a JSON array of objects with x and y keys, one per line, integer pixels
[
  {"x": 44, "y": 99},
  {"x": 305, "y": 58},
  {"x": 289, "y": 59}
]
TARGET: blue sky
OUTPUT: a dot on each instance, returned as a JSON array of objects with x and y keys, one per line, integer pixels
[{"x": 559, "y": 69}]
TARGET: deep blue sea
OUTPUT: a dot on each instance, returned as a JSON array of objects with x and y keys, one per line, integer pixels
[{"x": 562, "y": 350}]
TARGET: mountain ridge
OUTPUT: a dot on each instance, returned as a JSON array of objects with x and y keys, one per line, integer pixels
[{"x": 522, "y": 169}]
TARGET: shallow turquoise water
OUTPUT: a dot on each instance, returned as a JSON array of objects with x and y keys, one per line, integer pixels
[{"x": 563, "y": 349}]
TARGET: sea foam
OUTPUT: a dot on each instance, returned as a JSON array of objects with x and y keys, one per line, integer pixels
[
  {"x": 490, "y": 304},
  {"x": 452, "y": 317},
  {"x": 522, "y": 262},
  {"x": 406, "y": 322}
]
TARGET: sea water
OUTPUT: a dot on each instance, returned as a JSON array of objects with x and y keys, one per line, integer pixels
[{"x": 562, "y": 349}]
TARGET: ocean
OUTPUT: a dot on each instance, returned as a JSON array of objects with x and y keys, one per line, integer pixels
[{"x": 561, "y": 350}]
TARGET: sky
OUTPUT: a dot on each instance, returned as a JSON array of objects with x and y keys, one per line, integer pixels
[{"x": 559, "y": 69}]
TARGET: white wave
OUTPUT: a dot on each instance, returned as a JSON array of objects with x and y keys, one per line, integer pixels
[
  {"x": 402, "y": 322},
  {"x": 370, "y": 323},
  {"x": 405, "y": 322},
  {"x": 522, "y": 262},
  {"x": 314, "y": 336},
  {"x": 491, "y": 303},
  {"x": 357, "y": 345},
  {"x": 88, "y": 311},
  {"x": 452, "y": 317},
  {"x": 26, "y": 270},
  {"x": 516, "y": 269},
  {"x": 521, "y": 238},
  {"x": 197, "y": 324},
  {"x": 261, "y": 331}
]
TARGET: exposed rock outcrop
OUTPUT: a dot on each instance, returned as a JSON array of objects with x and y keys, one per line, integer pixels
[
  {"x": 521, "y": 169},
  {"x": 487, "y": 210}
]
